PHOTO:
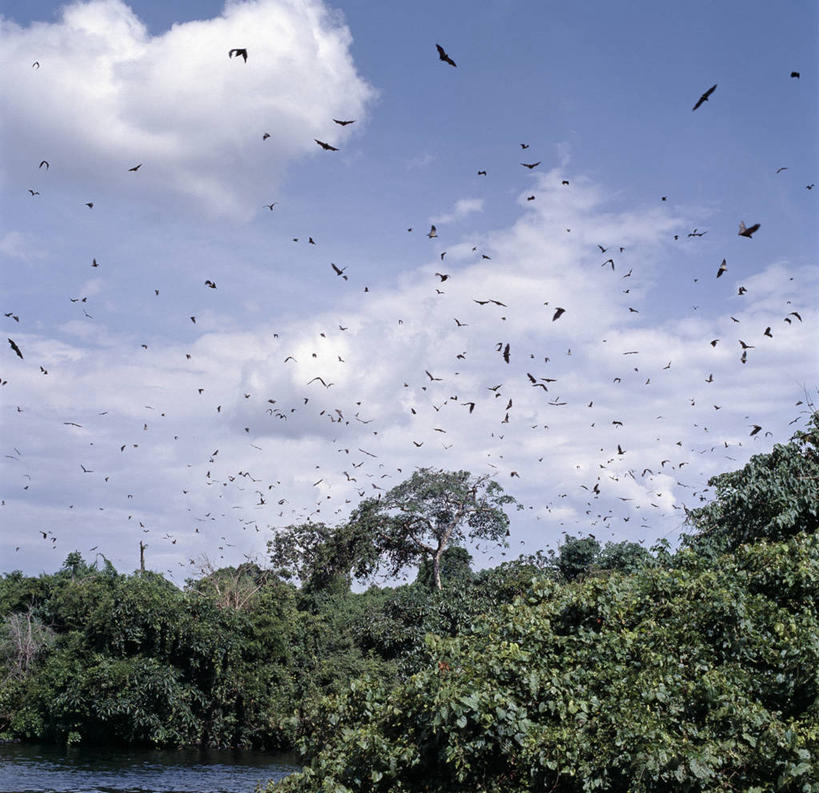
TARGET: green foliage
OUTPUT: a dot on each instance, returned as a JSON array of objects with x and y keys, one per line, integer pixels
[
  {"x": 695, "y": 678},
  {"x": 616, "y": 671},
  {"x": 585, "y": 668},
  {"x": 133, "y": 659},
  {"x": 773, "y": 497},
  {"x": 577, "y": 555},
  {"x": 322, "y": 556},
  {"x": 455, "y": 568},
  {"x": 429, "y": 512}
]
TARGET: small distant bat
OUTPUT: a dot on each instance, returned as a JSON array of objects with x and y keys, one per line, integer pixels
[
  {"x": 747, "y": 232},
  {"x": 558, "y": 313},
  {"x": 343, "y": 123},
  {"x": 530, "y": 165},
  {"x": 44, "y": 162},
  {"x": 237, "y": 52},
  {"x": 135, "y": 168},
  {"x": 704, "y": 97},
  {"x": 722, "y": 268},
  {"x": 444, "y": 57},
  {"x": 325, "y": 146},
  {"x": 795, "y": 74}
]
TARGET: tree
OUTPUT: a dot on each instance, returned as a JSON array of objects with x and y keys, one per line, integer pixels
[
  {"x": 321, "y": 556},
  {"x": 577, "y": 555},
  {"x": 423, "y": 516},
  {"x": 774, "y": 496},
  {"x": 698, "y": 678}
]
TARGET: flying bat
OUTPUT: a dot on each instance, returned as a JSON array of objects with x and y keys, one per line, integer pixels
[
  {"x": 722, "y": 268},
  {"x": 44, "y": 162},
  {"x": 558, "y": 313},
  {"x": 344, "y": 123},
  {"x": 15, "y": 348},
  {"x": 704, "y": 97},
  {"x": 444, "y": 57},
  {"x": 237, "y": 52},
  {"x": 135, "y": 168},
  {"x": 325, "y": 146},
  {"x": 747, "y": 232},
  {"x": 530, "y": 165}
]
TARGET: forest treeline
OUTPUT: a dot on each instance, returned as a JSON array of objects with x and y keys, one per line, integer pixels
[{"x": 592, "y": 667}]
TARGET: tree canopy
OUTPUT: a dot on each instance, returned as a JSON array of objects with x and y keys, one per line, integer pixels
[{"x": 429, "y": 512}]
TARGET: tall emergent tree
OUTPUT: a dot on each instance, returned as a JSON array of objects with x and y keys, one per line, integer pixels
[
  {"x": 414, "y": 522},
  {"x": 429, "y": 512}
]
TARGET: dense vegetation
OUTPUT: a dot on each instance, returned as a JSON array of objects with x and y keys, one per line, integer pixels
[{"x": 592, "y": 668}]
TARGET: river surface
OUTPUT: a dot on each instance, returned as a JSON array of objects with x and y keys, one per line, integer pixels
[{"x": 48, "y": 769}]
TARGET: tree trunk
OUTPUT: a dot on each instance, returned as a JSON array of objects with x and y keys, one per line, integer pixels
[{"x": 436, "y": 568}]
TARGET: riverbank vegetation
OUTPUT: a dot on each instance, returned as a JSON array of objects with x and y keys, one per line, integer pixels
[{"x": 590, "y": 668}]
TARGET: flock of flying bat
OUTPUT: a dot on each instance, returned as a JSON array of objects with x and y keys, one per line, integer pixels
[{"x": 265, "y": 490}]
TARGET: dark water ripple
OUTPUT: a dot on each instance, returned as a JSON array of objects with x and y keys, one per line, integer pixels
[{"x": 46, "y": 769}]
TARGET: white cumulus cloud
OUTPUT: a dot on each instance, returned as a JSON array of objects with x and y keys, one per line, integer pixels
[{"x": 108, "y": 95}]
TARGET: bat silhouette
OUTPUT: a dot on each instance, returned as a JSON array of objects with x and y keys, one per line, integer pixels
[
  {"x": 704, "y": 97},
  {"x": 15, "y": 348},
  {"x": 344, "y": 123},
  {"x": 237, "y": 52},
  {"x": 325, "y": 146},
  {"x": 747, "y": 232},
  {"x": 444, "y": 57}
]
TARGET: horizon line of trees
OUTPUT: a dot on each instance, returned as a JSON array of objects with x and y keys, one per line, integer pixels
[{"x": 588, "y": 667}]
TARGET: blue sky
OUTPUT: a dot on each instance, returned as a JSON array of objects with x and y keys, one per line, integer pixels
[{"x": 601, "y": 94}]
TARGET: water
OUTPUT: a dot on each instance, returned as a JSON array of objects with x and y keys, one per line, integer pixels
[{"x": 47, "y": 769}]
